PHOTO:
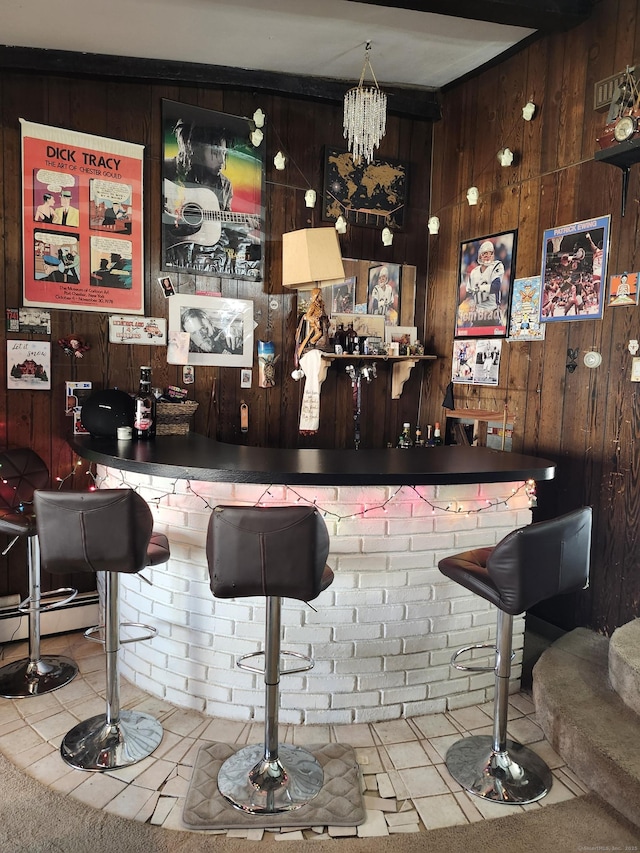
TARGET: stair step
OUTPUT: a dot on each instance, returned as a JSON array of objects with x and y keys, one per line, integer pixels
[
  {"x": 624, "y": 664},
  {"x": 585, "y": 720}
]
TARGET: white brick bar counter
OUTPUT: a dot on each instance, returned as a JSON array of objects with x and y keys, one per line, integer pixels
[{"x": 381, "y": 635}]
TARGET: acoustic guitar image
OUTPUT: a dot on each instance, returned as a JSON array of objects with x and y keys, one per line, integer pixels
[{"x": 193, "y": 215}]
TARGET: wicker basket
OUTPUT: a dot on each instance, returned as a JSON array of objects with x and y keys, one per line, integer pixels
[{"x": 173, "y": 418}]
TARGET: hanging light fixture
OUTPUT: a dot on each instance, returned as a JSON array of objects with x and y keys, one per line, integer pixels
[{"x": 365, "y": 114}]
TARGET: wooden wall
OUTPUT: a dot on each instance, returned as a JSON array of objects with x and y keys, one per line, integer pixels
[
  {"x": 132, "y": 111},
  {"x": 587, "y": 421}
]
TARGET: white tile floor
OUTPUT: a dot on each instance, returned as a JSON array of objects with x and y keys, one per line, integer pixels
[{"x": 406, "y": 785}]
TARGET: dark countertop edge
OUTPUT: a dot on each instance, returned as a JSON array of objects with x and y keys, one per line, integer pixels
[{"x": 105, "y": 452}]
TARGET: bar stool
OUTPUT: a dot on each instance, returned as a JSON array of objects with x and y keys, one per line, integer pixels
[
  {"x": 526, "y": 567},
  {"x": 275, "y": 552},
  {"x": 110, "y": 531},
  {"x": 22, "y": 471}
]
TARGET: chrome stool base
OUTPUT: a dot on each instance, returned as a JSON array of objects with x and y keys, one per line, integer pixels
[
  {"x": 516, "y": 776},
  {"x": 284, "y": 784},
  {"x": 27, "y": 677},
  {"x": 98, "y": 745}
]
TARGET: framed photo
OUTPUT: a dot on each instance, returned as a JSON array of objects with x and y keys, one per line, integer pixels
[
  {"x": 524, "y": 319},
  {"x": 623, "y": 289},
  {"x": 403, "y": 335},
  {"x": 29, "y": 365},
  {"x": 220, "y": 330},
  {"x": 383, "y": 292},
  {"x": 486, "y": 274},
  {"x": 364, "y": 325},
  {"x": 340, "y": 298},
  {"x": 574, "y": 263},
  {"x": 370, "y": 194},
  {"x": 212, "y": 180}
]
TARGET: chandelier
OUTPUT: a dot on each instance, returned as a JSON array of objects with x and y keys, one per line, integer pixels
[{"x": 365, "y": 114}]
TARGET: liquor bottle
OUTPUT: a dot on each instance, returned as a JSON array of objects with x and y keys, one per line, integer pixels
[
  {"x": 350, "y": 339},
  {"x": 419, "y": 440},
  {"x": 144, "y": 417},
  {"x": 437, "y": 438},
  {"x": 429, "y": 440},
  {"x": 405, "y": 440}
]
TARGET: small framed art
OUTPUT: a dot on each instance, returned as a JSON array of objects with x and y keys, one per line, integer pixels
[{"x": 486, "y": 274}]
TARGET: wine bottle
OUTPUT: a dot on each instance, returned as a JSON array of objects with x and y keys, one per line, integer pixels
[
  {"x": 437, "y": 438},
  {"x": 144, "y": 417}
]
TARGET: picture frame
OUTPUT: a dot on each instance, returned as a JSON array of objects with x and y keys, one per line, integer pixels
[
  {"x": 373, "y": 194},
  {"x": 220, "y": 329},
  {"x": 623, "y": 289},
  {"x": 485, "y": 279},
  {"x": 574, "y": 266},
  {"x": 524, "y": 315},
  {"x": 403, "y": 335},
  {"x": 383, "y": 292},
  {"x": 364, "y": 325},
  {"x": 212, "y": 194}
]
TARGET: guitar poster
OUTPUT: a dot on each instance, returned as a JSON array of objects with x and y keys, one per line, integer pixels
[
  {"x": 212, "y": 185},
  {"x": 81, "y": 221}
]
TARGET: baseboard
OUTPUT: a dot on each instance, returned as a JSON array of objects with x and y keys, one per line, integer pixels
[{"x": 81, "y": 613}]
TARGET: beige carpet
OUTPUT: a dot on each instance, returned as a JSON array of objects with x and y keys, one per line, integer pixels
[
  {"x": 34, "y": 819},
  {"x": 339, "y": 802}
]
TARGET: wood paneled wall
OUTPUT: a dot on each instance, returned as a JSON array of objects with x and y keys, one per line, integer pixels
[
  {"x": 587, "y": 421},
  {"x": 132, "y": 111}
]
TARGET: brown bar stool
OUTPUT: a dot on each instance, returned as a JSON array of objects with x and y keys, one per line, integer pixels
[
  {"x": 277, "y": 552},
  {"x": 110, "y": 531},
  {"x": 22, "y": 471},
  {"x": 526, "y": 567}
]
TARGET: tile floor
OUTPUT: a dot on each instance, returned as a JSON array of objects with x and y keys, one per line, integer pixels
[{"x": 406, "y": 785}]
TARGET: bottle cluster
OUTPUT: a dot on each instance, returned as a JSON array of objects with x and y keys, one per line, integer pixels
[{"x": 433, "y": 437}]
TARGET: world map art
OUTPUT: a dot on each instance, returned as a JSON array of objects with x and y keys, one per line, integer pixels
[{"x": 370, "y": 194}]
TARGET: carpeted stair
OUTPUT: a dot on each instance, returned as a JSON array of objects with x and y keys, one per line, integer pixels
[{"x": 592, "y": 724}]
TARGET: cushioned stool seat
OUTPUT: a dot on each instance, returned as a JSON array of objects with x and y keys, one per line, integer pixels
[
  {"x": 22, "y": 471},
  {"x": 528, "y": 566},
  {"x": 110, "y": 531},
  {"x": 275, "y": 552}
]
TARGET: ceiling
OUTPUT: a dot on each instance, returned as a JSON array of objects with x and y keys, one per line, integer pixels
[{"x": 414, "y": 44}]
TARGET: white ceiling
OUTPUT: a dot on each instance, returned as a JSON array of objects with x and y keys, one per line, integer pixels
[{"x": 320, "y": 38}]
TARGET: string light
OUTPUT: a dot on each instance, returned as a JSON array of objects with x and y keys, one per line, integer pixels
[{"x": 450, "y": 507}]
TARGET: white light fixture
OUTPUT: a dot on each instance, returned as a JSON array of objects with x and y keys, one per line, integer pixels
[
  {"x": 505, "y": 156},
  {"x": 472, "y": 195},
  {"x": 256, "y": 136},
  {"x": 280, "y": 161},
  {"x": 258, "y": 118},
  {"x": 528, "y": 111},
  {"x": 387, "y": 236},
  {"x": 365, "y": 115},
  {"x": 311, "y": 256},
  {"x": 310, "y": 198},
  {"x": 341, "y": 225},
  {"x": 433, "y": 225}
]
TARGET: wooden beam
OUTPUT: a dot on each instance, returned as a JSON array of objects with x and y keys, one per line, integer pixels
[
  {"x": 413, "y": 102},
  {"x": 545, "y": 15}
]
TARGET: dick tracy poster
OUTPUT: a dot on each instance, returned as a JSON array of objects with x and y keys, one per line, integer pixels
[{"x": 81, "y": 221}]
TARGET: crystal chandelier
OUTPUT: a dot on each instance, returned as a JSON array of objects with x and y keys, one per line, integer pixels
[{"x": 365, "y": 114}]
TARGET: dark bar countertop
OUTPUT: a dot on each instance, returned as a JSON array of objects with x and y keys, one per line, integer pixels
[{"x": 195, "y": 457}]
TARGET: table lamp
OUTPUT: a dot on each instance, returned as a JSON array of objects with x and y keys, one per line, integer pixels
[{"x": 311, "y": 257}]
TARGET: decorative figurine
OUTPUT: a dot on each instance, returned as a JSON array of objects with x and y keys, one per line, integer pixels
[
  {"x": 317, "y": 325},
  {"x": 74, "y": 346}
]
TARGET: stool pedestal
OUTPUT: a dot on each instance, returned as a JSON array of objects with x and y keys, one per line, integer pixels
[
  {"x": 116, "y": 738},
  {"x": 275, "y": 777},
  {"x": 36, "y": 675},
  {"x": 490, "y": 766}
]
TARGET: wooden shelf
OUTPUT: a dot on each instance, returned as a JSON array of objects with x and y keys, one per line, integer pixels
[
  {"x": 402, "y": 365},
  {"x": 623, "y": 155}
]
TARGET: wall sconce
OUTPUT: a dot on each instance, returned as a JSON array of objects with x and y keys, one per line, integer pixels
[
  {"x": 433, "y": 225},
  {"x": 472, "y": 195},
  {"x": 387, "y": 236},
  {"x": 310, "y": 198},
  {"x": 279, "y": 161},
  {"x": 341, "y": 225},
  {"x": 505, "y": 156},
  {"x": 528, "y": 111}
]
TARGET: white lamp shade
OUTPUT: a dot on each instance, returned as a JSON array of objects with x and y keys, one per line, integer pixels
[{"x": 311, "y": 256}]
